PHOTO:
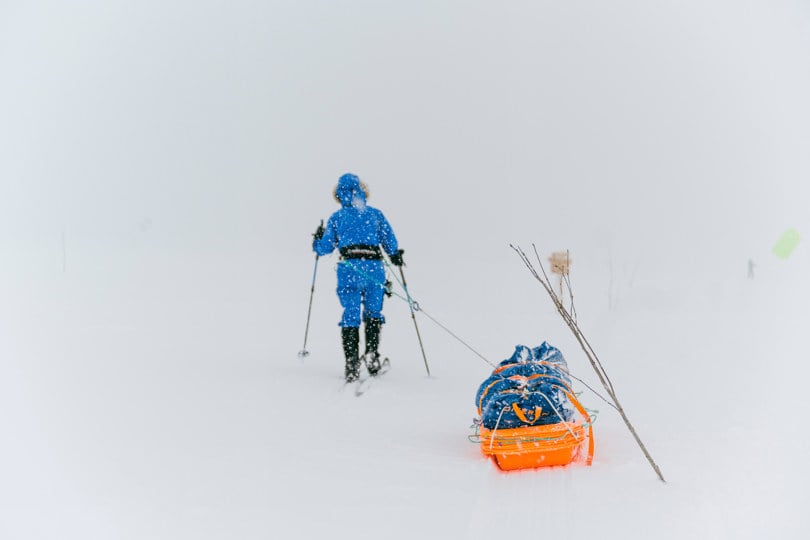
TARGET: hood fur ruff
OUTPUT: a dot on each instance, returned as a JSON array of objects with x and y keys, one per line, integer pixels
[{"x": 363, "y": 186}]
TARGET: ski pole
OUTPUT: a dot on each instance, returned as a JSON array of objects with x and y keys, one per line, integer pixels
[
  {"x": 304, "y": 352},
  {"x": 413, "y": 316}
]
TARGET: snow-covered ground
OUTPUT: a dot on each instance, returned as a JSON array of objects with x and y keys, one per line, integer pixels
[{"x": 163, "y": 169}]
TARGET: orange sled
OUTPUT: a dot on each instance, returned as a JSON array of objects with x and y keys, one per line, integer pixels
[{"x": 540, "y": 446}]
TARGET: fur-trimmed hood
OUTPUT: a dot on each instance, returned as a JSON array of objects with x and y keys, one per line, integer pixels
[{"x": 351, "y": 191}]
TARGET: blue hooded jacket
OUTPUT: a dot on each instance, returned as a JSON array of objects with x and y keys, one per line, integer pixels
[{"x": 355, "y": 223}]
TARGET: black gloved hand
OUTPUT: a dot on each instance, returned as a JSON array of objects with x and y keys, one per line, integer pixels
[
  {"x": 317, "y": 235},
  {"x": 396, "y": 258}
]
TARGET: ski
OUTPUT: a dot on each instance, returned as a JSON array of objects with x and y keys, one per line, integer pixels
[{"x": 365, "y": 380}]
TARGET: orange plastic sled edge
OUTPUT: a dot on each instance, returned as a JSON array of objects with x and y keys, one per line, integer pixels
[{"x": 540, "y": 446}]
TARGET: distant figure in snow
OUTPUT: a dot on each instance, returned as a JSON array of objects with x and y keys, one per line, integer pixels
[{"x": 358, "y": 231}]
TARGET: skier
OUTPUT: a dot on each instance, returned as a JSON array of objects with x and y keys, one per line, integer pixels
[{"x": 358, "y": 231}]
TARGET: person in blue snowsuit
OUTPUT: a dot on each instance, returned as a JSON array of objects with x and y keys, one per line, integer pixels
[{"x": 361, "y": 234}]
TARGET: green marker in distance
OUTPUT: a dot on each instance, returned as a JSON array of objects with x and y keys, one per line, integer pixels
[{"x": 787, "y": 243}]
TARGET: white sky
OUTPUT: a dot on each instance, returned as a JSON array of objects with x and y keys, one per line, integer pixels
[{"x": 651, "y": 127}]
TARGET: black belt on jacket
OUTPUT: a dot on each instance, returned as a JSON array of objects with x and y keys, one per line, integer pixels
[{"x": 361, "y": 251}]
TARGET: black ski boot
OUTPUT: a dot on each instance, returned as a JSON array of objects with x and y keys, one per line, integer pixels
[
  {"x": 372, "y": 357},
  {"x": 351, "y": 348}
]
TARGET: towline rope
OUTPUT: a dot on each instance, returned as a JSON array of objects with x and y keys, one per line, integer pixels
[{"x": 414, "y": 305}]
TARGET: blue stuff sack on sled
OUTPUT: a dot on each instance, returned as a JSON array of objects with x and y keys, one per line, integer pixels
[
  {"x": 528, "y": 414},
  {"x": 527, "y": 389}
]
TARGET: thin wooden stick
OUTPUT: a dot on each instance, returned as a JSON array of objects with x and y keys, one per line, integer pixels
[{"x": 586, "y": 347}]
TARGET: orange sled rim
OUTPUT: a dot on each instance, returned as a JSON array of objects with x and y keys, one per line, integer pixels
[{"x": 540, "y": 446}]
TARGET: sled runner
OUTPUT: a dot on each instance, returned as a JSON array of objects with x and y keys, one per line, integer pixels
[{"x": 529, "y": 417}]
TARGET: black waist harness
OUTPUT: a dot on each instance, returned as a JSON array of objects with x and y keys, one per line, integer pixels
[{"x": 361, "y": 251}]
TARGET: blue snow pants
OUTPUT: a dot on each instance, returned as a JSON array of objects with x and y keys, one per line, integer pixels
[{"x": 360, "y": 284}]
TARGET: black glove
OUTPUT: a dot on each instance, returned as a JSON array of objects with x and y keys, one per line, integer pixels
[
  {"x": 396, "y": 258},
  {"x": 318, "y": 234}
]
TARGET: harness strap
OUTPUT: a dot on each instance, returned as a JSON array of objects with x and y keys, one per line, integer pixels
[
  {"x": 361, "y": 251},
  {"x": 552, "y": 379},
  {"x": 584, "y": 413}
]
